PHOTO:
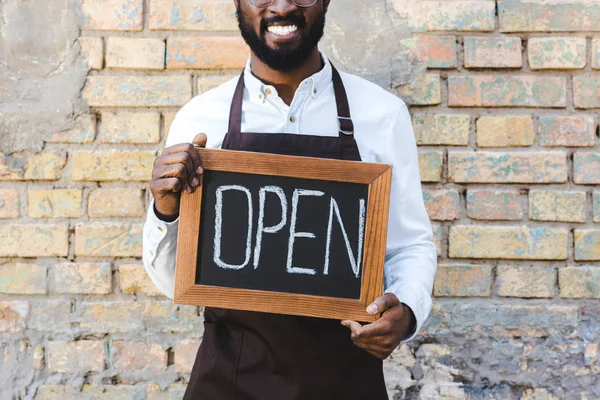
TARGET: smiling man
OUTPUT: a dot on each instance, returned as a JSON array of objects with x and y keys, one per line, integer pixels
[{"x": 291, "y": 100}]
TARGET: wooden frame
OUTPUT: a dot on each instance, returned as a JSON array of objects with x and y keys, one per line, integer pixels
[{"x": 377, "y": 176}]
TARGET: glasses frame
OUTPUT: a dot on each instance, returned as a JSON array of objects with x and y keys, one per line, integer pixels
[{"x": 253, "y": 2}]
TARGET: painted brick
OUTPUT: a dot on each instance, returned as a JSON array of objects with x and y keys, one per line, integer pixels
[
  {"x": 493, "y": 205},
  {"x": 185, "y": 355},
  {"x": 450, "y": 15},
  {"x": 135, "y": 53},
  {"x": 76, "y": 357},
  {"x": 100, "y": 239},
  {"x": 442, "y": 205},
  {"x": 136, "y": 356},
  {"x": 505, "y": 131},
  {"x": 83, "y": 278},
  {"x": 506, "y": 91},
  {"x": 556, "y": 53},
  {"x": 130, "y": 127},
  {"x": 167, "y": 118},
  {"x": 496, "y": 167},
  {"x": 508, "y": 242},
  {"x": 596, "y": 53},
  {"x": 442, "y": 129},
  {"x": 87, "y": 392},
  {"x": 569, "y": 131},
  {"x": 586, "y": 91},
  {"x": 92, "y": 51},
  {"x": 120, "y": 202},
  {"x": 548, "y": 16},
  {"x": 430, "y": 165},
  {"x": 133, "y": 279},
  {"x": 493, "y": 52},
  {"x": 174, "y": 392},
  {"x": 83, "y": 131},
  {"x": 437, "y": 237},
  {"x": 463, "y": 281},
  {"x": 54, "y": 203},
  {"x": 425, "y": 90},
  {"x": 587, "y": 168},
  {"x": 579, "y": 282},
  {"x": 20, "y": 278},
  {"x": 13, "y": 315},
  {"x": 587, "y": 244},
  {"x": 596, "y": 206},
  {"x": 137, "y": 91},
  {"x": 525, "y": 282},
  {"x": 433, "y": 51},
  {"x": 192, "y": 15},
  {"x": 38, "y": 357},
  {"x": 50, "y": 316},
  {"x": 45, "y": 166},
  {"x": 114, "y": 316},
  {"x": 9, "y": 203},
  {"x": 34, "y": 240},
  {"x": 114, "y": 15},
  {"x": 207, "y": 53},
  {"x": 112, "y": 165},
  {"x": 208, "y": 82},
  {"x": 557, "y": 206}
]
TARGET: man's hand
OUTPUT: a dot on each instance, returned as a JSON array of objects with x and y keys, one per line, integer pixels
[
  {"x": 381, "y": 337},
  {"x": 176, "y": 169}
]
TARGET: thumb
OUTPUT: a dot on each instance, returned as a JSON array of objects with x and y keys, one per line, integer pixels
[{"x": 200, "y": 140}]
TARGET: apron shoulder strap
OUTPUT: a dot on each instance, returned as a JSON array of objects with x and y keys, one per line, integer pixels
[
  {"x": 345, "y": 124},
  {"x": 235, "y": 112}
]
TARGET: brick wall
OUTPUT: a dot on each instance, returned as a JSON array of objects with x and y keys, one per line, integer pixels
[{"x": 505, "y": 107}]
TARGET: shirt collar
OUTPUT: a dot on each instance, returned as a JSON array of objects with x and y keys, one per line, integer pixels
[{"x": 316, "y": 83}]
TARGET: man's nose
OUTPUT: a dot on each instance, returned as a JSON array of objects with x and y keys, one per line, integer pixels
[{"x": 283, "y": 7}]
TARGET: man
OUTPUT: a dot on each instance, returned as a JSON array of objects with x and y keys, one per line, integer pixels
[{"x": 291, "y": 100}]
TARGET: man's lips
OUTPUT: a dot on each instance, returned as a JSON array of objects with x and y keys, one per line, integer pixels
[{"x": 282, "y": 31}]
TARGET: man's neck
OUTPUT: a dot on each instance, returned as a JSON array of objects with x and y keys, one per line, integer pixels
[{"x": 286, "y": 83}]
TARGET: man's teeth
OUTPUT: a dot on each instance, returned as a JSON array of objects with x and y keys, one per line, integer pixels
[{"x": 282, "y": 30}]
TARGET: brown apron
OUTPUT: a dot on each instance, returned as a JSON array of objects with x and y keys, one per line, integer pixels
[{"x": 258, "y": 356}]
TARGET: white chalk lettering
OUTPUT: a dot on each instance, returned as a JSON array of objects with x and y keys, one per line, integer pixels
[
  {"x": 333, "y": 207},
  {"x": 219, "y": 227},
  {"x": 262, "y": 194},
  {"x": 294, "y": 234}
]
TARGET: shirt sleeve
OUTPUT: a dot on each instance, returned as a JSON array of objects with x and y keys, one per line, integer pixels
[{"x": 411, "y": 256}]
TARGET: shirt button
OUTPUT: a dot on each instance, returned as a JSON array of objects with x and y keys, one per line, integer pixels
[
  {"x": 292, "y": 119},
  {"x": 260, "y": 96},
  {"x": 160, "y": 229},
  {"x": 152, "y": 254},
  {"x": 268, "y": 91},
  {"x": 315, "y": 90}
]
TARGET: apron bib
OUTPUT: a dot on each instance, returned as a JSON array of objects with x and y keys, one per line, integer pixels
[{"x": 248, "y": 355}]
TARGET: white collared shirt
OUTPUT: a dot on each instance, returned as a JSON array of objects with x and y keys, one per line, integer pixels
[{"x": 383, "y": 133}]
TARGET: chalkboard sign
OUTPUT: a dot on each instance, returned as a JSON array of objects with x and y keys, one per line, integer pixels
[{"x": 284, "y": 234}]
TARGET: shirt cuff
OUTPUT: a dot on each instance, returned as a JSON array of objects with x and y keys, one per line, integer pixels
[
  {"x": 156, "y": 231},
  {"x": 415, "y": 300}
]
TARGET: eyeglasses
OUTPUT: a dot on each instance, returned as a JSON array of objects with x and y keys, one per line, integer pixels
[{"x": 267, "y": 3}]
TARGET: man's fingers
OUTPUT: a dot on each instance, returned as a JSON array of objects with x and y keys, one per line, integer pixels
[
  {"x": 178, "y": 171},
  {"x": 166, "y": 185},
  {"x": 186, "y": 148},
  {"x": 180, "y": 158},
  {"x": 383, "y": 303},
  {"x": 352, "y": 325}
]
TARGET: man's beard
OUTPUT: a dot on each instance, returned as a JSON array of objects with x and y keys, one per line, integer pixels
[{"x": 281, "y": 59}]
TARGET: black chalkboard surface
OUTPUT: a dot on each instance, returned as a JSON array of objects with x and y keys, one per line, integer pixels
[
  {"x": 284, "y": 234},
  {"x": 281, "y": 234}
]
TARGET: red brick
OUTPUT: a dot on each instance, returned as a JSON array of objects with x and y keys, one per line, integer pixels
[
  {"x": 137, "y": 91},
  {"x": 9, "y": 203},
  {"x": 569, "y": 131},
  {"x": 548, "y": 16},
  {"x": 207, "y": 53},
  {"x": 192, "y": 15},
  {"x": 185, "y": 355},
  {"x": 137, "y": 356},
  {"x": 135, "y": 53},
  {"x": 587, "y": 168},
  {"x": 506, "y": 91},
  {"x": 586, "y": 91},
  {"x": 449, "y": 15},
  {"x": 494, "y": 52},
  {"x": 116, "y": 15},
  {"x": 513, "y": 167},
  {"x": 433, "y": 51},
  {"x": 463, "y": 281},
  {"x": 493, "y": 205},
  {"x": 442, "y": 205}
]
